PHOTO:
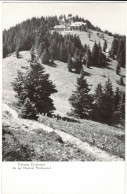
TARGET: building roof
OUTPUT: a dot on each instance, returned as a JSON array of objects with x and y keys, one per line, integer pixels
[
  {"x": 77, "y": 24},
  {"x": 59, "y": 26}
]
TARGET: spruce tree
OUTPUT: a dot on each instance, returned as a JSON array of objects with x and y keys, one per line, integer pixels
[
  {"x": 62, "y": 53},
  {"x": 121, "y": 58},
  {"x": 52, "y": 50},
  {"x": 45, "y": 57},
  {"x": 118, "y": 69},
  {"x": 33, "y": 56},
  {"x": 41, "y": 48},
  {"x": 5, "y": 51},
  {"x": 77, "y": 60},
  {"x": 81, "y": 100},
  {"x": 85, "y": 48},
  {"x": 114, "y": 48},
  {"x": 121, "y": 82},
  {"x": 95, "y": 54},
  {"x": 17, "y": 52},
  {"x": 35, "y": 85},
  {"x": 105, "y": 46},
  {"x": 121, "y": 109},
  {"x": 116, "y": 99},
  {"x": 100, "y": 58},
  {"x": 108, "y": 102},
  {"x": 88, "y": 57},
  {"x": 70, "y": 63},
  {"x": 98, "y": 103}
]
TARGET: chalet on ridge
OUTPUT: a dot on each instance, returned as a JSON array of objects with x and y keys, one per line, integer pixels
[{"x": 69, "y": 24}]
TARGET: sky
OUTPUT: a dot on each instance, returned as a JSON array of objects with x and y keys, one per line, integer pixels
[{"x": 107, "y": 16}]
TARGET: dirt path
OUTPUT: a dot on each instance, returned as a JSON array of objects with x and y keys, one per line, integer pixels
[
  {"x": 5, "y": 107},
  {"x": 29, "y": 125}
]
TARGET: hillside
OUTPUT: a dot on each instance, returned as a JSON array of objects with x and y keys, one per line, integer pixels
[
  {"x": 95, "y": 36},
  {"x": 65, "y": 81},
  {"x": 57, "y": 140}
]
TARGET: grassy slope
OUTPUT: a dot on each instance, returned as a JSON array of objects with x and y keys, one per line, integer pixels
[
  {"x": 20, "y": 143},
  {"x": 9, "y": 71},
  {"x": 94, "y": 37},
  {"x": 105, "y": 137}
]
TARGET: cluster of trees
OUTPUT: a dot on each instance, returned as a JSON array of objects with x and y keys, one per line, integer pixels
[
  {"x": 23, "y": 35},
  {"x": 97, "y": 56},
  {"x": 86, "y": 57},
  {"x": 104, "y": 105},
  {"x": 118, "y": 52},
  {"x": 33, "y": 89},
  {"x": 55, "y": 46}
]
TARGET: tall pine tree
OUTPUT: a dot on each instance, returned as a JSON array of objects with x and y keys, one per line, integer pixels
[
  {"x": 105, "y": 46},
  {"x": 81, "y": 100},
  {"x": 108, "y": 102},
  {"x": 95, "y": 54},
  {"x": 98, "y": 103},
  {"x": 88, "y": 57}
]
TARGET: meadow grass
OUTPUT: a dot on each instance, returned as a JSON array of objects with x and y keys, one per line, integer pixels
[{"x": 105, "y": 137}]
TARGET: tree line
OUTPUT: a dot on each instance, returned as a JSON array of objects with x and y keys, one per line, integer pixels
[
  {"x": 86, "y": 57},
  {"x": 68, "y": 48},
  {"x": 23, "y": 35},
  {"x": 118, "y": 51}
]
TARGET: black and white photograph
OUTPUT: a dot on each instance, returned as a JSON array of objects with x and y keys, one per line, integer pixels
[
  {"x": 63, "y": 97},
  {"x": 63, "y": 74}
]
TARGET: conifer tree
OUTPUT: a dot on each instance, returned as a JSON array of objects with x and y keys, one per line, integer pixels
[
  {"x": 33, "y": 56},
  {"x": 17, "y": 52},
  {"x": 81, "y": 100},
  {"x": 114, "y": 48},
  {"x": 41, "y": 48},
  {"x": 5, "y": 51},
  {"x": 121, "y": 58},
  {"x": 121, "y": 82},
  {"x": 108, "y": 102},
  {"x": 100, "y": 57},
  {"x": 70, "y": 63},
  {"x": 77, "y": 60},
  {"x": 62, "y": 53},
  {"x": 45, "y": 57},
  {"x": 121, "y": 109},
  {"x": 98, "y": 103},
  {"x": 35, "y": 85},
  {"x": 116, "y": 99},
  {"x": 118, "y": 69},
  {"x": 52, "y": 50},
  {"x": 105, "y": 46},
  {"x": 85, "y": 48},
  {"x": 95, "y": 53},
  {"x": 88, "y": 57}
]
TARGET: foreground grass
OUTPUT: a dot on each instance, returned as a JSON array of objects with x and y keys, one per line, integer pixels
[
  {"x": 23, "y": 144},
  {"x": 105, "y": 137}
]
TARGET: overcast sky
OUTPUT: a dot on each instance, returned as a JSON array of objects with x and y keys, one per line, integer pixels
[{"x": 107, "y": 16}]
